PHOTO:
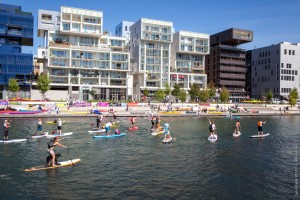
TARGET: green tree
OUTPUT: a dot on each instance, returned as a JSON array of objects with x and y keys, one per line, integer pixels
[
  {"x": 92, "y": 92},
  {"x": 167, "y": 89},
  {"x": 269, "y": 95},
  {"x": 293, "y": 97},
  {"x": 203, "y": 95},
  {"x": 159, "y": 95},
  {"x": 211, "y": 89},
  {"x": 182, "y": 96},
  {"x": 194, "y": 91},
  {"x": 43, "y": 84},
  {"x": 224, "y": 95},
  {"x": 13, "y": 85},
  {"x": 176, "y": 90},
  {"x": 146, "y": 92}
]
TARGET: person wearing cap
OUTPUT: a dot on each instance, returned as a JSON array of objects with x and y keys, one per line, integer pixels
[
  {"x": 54, "y": 142},
  {"x": 39, "y": 126}
]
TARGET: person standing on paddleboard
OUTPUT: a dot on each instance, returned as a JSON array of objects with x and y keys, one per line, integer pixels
[
  {"x": 167, "y": 130},
  {"x": 98, "y": 121},
  {"x": 107, "y": 127},
  {"x": 132, "y": 121},
  {"x": 54, "y": 142},
  {"x": 59, "y": 126},
  {"x": 39, "y": 127},
  {"x": 115, "y": 116},
  {"x": 237, "y": 127},
  {"x": 259, "y": 127},
  {"x": 6, "y": 126},
  {"x": 212, "y": 128}
]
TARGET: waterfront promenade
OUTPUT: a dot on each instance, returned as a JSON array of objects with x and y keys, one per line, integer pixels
[{"x": 178, "y": 110}]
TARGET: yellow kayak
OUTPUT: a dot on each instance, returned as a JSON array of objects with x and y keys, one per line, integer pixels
[{"x": 52, "y": 122}]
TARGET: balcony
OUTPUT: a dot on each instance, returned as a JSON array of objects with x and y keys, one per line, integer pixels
[
  {"x": 233, "y": 62},
  {"x": 232, "y": 83},
  {"x": 233, "y": 55},
  {"x": 232, "y": 76},
  {"x": 63, "y": 45}
]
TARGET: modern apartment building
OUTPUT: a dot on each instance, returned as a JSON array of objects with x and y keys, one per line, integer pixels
[
  {"x": 123, "y": 29},
  {"x": 275, "y": 68},
  {"x": 16, "y": 30},
  {"x": 226, "y": 63},
  {"x": 79, "y": 58},
  {"x": 150, "y": 48},
  {"x": 188, "y": 59}
]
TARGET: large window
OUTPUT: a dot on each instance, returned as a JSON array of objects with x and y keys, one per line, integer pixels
[{"x": 46, "y": 17}]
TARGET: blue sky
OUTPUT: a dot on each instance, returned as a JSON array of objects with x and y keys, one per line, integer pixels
[{"x": 272, "y": 21}]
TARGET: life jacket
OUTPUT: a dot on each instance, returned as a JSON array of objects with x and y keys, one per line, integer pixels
[{"x": 259, "y": 123}]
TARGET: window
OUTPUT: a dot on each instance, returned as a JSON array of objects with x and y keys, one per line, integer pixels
[
  {"x": 282, "y": 65},
  {"x": 290, "y": 52},
  {"x": 47, "y": 17},
  {"x": 126, "y": 28},
  {"x": 293, "y": 52},
  {"x": 285, "y": 51}
]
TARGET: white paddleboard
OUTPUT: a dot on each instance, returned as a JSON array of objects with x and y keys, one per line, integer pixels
[
  {"x": 97, "y": 131},
  {"x": 40, "y": 136},
  {"x": 213, "y": 138},
  {"x": 236, "y": 134},
  {"x": 12, "y": 141},
  {"x": 62, "y": 135},
  {"x": 167, "y": 140},
  {"x": 62, "y": 164},
  {"x": 259, "y": 136}
]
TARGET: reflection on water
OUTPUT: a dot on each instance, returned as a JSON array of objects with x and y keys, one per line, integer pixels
[{"x": 141, "y": 166}]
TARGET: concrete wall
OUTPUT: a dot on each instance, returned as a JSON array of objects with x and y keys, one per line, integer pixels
[{"x": 51, "y": 94}]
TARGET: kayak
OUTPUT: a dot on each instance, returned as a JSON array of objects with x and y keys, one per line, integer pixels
[
  {"x": 62, "y": 164},
  {"x": 167, "y": 140},
  {"x": 236, "y": 134},
  {"x": 213, "y": 138},
  {"x": 97, "y": 131},
  {"x": 13, "y": 141},
  {"x": 109, "y": 136},
  {"x": 157, "y": 133},
  {"x": 259, "y": 136},
  {"x": 133, "y": 129},
  {"x": 63, "y": 134},
  {"x": 40, "y": 136},
  {"x": 51, "y": 122}
]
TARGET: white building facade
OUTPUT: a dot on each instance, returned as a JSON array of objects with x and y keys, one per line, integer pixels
[
  {"x": 79, "y": 58},
  {"x": 188, "y": 59},
  {"x": 275, "y": 68}
]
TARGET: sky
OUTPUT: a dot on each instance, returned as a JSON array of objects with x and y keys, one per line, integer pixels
[{"x": 272, "y": 21}]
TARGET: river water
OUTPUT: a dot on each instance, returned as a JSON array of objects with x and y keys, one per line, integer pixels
[{"x": 140, "y": 166}]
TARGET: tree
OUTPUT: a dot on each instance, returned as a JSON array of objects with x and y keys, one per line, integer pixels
[
  {"x": 146, "y": 92},
  {"x": 167, "y": 89},
  {"x": 159, "y": 95},
  {"x": 194, "y": 91},
  {"x": 176, "y": 90},
  {"x": 182, "y": 96},
  {"x": 13, "y": 85},
  {"x": 203, "y": 95},
  {"x": 92, "y": 92},
  {"x": 43, "y": 84},
  {"x": 224, "y": 95},
  {"x": 211, "y": 89},
  {"x": 293, "y": 97},
  {"x": 269, "y": 95}
]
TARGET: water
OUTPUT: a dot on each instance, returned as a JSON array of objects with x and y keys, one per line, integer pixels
[{"x": 140, "y": 166}]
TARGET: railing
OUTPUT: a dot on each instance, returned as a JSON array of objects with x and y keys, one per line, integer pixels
[
  {"x": 233, "y": 69},
  {"x": 232, "y": 76},
  {"x": 236, "y": 83}
]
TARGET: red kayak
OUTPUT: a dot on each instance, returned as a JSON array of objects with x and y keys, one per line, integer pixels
[{"x": 133, "y": 128}]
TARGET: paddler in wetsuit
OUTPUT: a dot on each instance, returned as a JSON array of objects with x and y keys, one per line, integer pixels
[{"x": 54, "y": 142}]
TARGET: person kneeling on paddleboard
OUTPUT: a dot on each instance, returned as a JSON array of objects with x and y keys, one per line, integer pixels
[
  {"x": 54, "y": 142},
  {"x": 259, "y": 127},
  {"x": 167, "y": 130},
  {"x": 212, "y": 128}
]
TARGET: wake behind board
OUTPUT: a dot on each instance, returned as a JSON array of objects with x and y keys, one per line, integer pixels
[
  {"x": 109, "y": 136},
  {"x": 62, "y": 164},
  {"x": 236, "y": 134},
  {"x": 259, "y": 136},
  {"x": 97, "y": 131},
  {"x": 40, "y": 136},
  {"x": 167, "y": 140},
  {"x": 13, "y": 141},
  {"x": 58, "y": 135},
  {"x": 213, "y": 138}
]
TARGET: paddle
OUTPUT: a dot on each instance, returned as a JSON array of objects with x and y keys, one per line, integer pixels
[{"x": 70, "y": 157}]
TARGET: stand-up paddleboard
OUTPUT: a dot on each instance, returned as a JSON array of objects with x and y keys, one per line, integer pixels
[
  {"x": 167, "y": 140},
  {"x": 62, "y": 135},
  {"x": 213, "y": 138},
  {"x": 259, "y": 136},
  {"x": 109, "y": 136},
  {"x": 13, "y": 141},
  {"x": 40, "y": 136},
  {"x": 236, "y": 134},
  {"x": 133, "y": 129},
  {"x": 97, "y": 131},
  {"x": 62, "y": 164},
  {"x": 157, "y": 133}
]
